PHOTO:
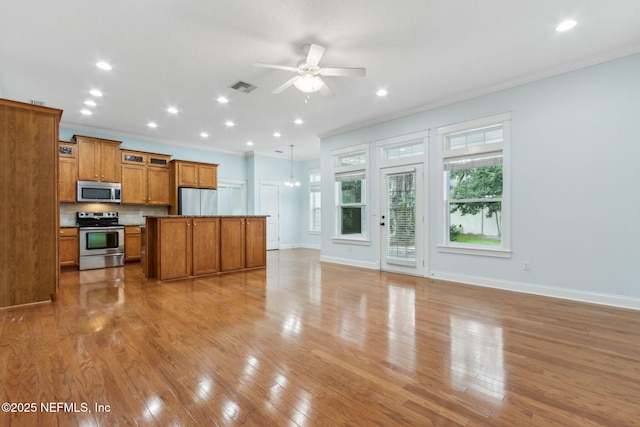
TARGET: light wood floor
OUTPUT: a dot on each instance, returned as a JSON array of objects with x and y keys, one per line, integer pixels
[{"x": 308, "y": 343}]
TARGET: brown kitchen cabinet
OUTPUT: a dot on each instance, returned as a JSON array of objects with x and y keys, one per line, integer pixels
[
  {"x": 69, "y": 247},
  {"x": 145, "y": 178},
  {"x": 29, "y": 217},
  {"x": 98, "y": 159},
  {"x": 244, "y": 243},
  {"x": 178, "y": 247},
  {"x": 196, "y": 175},
  {"x": 132, "y": 243},
  {"x": 67, "y": 171}
]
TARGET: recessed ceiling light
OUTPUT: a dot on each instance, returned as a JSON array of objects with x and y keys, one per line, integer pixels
[
  {"x": 298, "y": 121},
  {"x": 95, "y": 92},
  {"x": 222, "y": 100},
  {"x": 277, "y": 134},
  {"x": 103, "y": 65},
  {"x": 229, "y": 123},
  {"x": 204, "y": 135},
  {"x": 86, "y": 112},
  {"x": 566, "y": 25},
  {"x": 152, "y": 124},
  {"x": 381, "y": 92},
  {"x": 172, "y": 110},
  {"x": 249, "y": 142},
  {"x": 90, "y": 103}
]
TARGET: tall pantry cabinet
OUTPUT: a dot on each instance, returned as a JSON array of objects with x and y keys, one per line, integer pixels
[{"x": 29, "y": 213}]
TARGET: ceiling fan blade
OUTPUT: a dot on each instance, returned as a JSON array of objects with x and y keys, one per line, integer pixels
[
  {"x": 325, "y": 91},
  {"x": 286, "y": 84},
  {"x": 277, "y": 67},
  {"x": 314, "y": 55},
  {"x": 343, "y": 72}
]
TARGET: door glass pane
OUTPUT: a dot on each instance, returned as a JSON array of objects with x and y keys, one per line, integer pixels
[{"x": 401, "y": 191}]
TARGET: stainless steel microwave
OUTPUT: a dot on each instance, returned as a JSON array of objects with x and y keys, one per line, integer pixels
[{"x": 103, "y": 192}]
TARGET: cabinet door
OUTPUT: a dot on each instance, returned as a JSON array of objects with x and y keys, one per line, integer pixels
[
  {"x": 132, "y": 243},
  {"x": 87, "y": 160},
  {"x": 232, "y": 243},
  {"x": 134, "y": 184},
  {"x": 69, "y": 247},
  {"x": 67, "y": 178},
  {"x": 175, "y": 248},
  {"x": 110, "y": 162},
  {"x": 157, "y": 186},
  {"x": 207, "y": 176},
  {"x": 187, "y": 175},
  {"x": 206, "y": 243},
  {"x": 256, "y": 242}
]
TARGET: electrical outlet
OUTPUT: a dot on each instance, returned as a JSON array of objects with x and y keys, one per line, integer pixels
[{"x": 527, "y": 266}]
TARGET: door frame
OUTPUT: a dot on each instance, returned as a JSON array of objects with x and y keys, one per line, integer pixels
[{"x": 273, "y": 220}]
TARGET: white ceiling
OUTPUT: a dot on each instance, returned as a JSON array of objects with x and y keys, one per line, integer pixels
[{"x": 187, "y": 53}]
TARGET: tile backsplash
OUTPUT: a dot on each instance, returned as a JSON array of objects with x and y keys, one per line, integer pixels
[{"x": 128, "y": 214}]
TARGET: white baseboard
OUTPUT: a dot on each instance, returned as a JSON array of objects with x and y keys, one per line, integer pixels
[
  {"x": 548, "y": 291},
  {"x": 350, "y": 262}
]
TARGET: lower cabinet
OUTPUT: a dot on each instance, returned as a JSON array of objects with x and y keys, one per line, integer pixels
[
  {"x": 132, "y": 243},
  {"x": 244, "y": 243},
  {"x": 178, "y": 247},
  {"x": 188, "y": 247},
  {"x": 69, "y": 252}
]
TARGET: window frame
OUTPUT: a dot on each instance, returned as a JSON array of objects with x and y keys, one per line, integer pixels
[
  {"x": 339, "y": 170},
  {"x": 315, "y": 187},
  {"x": 444, "y": 244}
]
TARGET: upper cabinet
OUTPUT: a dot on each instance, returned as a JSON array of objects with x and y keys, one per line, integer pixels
[
  {"x": 98, "y": 159},
  {"x": 145, "y": 178},
  {"x": 195, "y": 175},
  {"x": 67, "y": 171}
]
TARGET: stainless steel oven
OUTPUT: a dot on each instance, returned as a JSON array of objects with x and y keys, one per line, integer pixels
[{"x": 101, "y": 240}]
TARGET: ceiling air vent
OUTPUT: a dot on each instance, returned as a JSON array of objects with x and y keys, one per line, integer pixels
[
  {"x": 36, "y": 102},
  {"x": 243, "y": 87}
]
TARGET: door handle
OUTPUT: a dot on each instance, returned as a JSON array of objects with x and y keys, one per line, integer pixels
[{"x": 382, "y": 223}]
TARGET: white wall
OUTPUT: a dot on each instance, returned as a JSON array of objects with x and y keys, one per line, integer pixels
[{"x": 575, "y": 150}]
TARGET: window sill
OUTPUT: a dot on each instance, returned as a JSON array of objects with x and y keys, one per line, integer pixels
[
  {"x": 474, "y": 250},
  {"x": 348, "y": 241},
  {"x": 313, "y": 232}
]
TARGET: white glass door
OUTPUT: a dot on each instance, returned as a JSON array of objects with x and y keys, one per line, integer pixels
[{"x": 402, "y": 219}]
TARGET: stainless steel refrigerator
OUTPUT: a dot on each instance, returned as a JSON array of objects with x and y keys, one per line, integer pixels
[{"x": 195, "y": 201}]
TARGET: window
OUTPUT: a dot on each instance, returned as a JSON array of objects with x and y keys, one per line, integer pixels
[
  {"x": 474, "y": 170},
  {"x": 350, "y": 172},
  {"x": 314, "y": 202}
]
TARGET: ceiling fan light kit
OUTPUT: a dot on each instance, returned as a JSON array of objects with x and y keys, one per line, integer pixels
[{"x": 308, "y": 73}]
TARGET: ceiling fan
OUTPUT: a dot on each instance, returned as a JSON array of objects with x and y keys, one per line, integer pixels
[{"x": 308, "y": 72}]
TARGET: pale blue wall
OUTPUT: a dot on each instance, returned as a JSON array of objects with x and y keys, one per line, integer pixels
[{"x": 575, "y": 145}]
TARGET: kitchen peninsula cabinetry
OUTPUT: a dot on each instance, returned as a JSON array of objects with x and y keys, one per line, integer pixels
[
  {"x": 98, "y": 159},
  {"x": 67, "y": 171},
  {"x": 145, "y": 178},
  {"x": 244, "y": 242},
  {"x": 69, "y": 253},
  {"x": 183, "y": 246},
  {"x": 29, "y": 218}
]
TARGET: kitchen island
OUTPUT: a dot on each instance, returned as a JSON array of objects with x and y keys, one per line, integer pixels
[{"x": 179, "y": 246}]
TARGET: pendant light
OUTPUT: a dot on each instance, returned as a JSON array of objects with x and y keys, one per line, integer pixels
[{"x": 292, "y": 181}]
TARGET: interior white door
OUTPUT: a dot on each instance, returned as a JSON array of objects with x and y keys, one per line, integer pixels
[
  {"x": 270, "y": 205},
  {"x": 402, "y": 219}
]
